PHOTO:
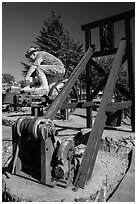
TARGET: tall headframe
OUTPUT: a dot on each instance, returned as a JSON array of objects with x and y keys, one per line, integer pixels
[{"x": 107, "y": 47}]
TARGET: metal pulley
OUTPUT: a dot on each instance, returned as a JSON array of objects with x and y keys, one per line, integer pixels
[
  {"x": 33, "y": 127},
  {"x": 65, "y": 155},
  {"x": 21, "y": 124}
]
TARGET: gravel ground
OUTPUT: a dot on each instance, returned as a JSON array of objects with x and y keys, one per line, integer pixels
[{"x": 6, "y": 152}]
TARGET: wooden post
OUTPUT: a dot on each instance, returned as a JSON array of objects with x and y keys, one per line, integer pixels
[
  {"x": 88, "y": 161},
  {"x": 131, "y": 73},
  {"x": 88, "y": 79}
]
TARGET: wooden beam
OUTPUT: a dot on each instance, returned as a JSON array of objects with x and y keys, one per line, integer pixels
[
  {"x": 105, "y": 52},
  {"x": 61, "y": 97},
  {"x": 112, "y": 19},
  {"x": 112, "y": 107},
  {"x": 88, "y": 104},
  {"x": 88, "y": 79},
  {"x": 88, "y": 161}
]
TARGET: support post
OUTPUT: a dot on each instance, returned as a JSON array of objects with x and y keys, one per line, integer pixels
[
  {"x": 88, "y": 79},
  {"x": 130, "y": 70}
]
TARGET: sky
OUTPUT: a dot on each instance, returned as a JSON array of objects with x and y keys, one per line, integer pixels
[{"x": 22, "y": 22}]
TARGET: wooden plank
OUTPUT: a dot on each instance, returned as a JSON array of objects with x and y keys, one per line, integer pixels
[
  {"x": 88, "y": 104},
  {"x": 112, "y": 19},
  {"x": 105, "y": 52},
  {"x": 91, "y": 151},
  {"x": 61, "y": 97},
  {"x": 108, "y": 92},
  {"x": 112, "y": 107}
]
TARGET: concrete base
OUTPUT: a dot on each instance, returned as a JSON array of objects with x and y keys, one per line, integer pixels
[
  {"x": 17, "y": 188},
  {"x": 108, "y": 171}
]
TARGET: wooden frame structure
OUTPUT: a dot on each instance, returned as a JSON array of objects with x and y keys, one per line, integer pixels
[
  {"x": 107, "y": 47},
  {"x": 123, "y": 53}
]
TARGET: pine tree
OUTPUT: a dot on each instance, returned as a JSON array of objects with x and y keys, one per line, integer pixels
[{"x": 55, "y": 39}]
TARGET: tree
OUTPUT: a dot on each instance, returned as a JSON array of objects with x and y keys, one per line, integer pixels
[
  {"x": 106, "y": 64},
  {"x": 55, "y": 39},
  {"x": 8, "y": 78}
]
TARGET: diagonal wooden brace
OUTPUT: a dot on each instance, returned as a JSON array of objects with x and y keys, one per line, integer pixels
[
  {"x": 101, "y": 71},
  {"x": 88, "y": 161},
  {"x": 61, "y": 97}
]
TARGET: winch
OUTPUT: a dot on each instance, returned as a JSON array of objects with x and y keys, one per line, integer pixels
[{"x": 40, "y": 154}]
